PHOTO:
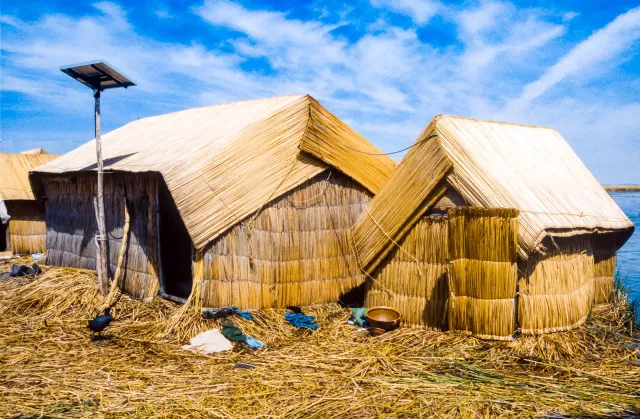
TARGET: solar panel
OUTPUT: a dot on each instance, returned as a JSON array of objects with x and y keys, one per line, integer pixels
[{"x": 98, "y": 75}]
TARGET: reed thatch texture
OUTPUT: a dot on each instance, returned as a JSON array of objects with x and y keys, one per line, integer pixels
[
  {"x": 415, "y": 186},
  {"x": 483, "y": 272},
  {"x": 222, "y": 163},
  {"x": 294, "y": 251},
  {"x": 532, "y": 169},
  {"x": 14, "y": 174},
  {"x": 71, "y": 226},
  {"x": 604, "y": 271},
  {"x": 27, "y": 228},
  {"x": 495, "y": 165},
  {"x": 413, "y": 277},
  {"x": 555, "y": 288}
]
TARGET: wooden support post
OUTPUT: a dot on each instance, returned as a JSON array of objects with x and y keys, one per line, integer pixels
[{"x": 101, "y": 262}]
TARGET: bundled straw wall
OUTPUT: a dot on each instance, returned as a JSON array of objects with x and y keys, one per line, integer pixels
[
  {"x": 483, "y": 272},
  {"x": 295, "y": 251},
  {"x": 413, "y": 278},
  {"x": 27, "y": 229},
  {"x": 71, "y": 226},
  {"x": 556, "y": 287},
  {"x": 604, "y": 270}
]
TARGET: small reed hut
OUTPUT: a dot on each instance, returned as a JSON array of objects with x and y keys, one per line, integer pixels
[
  {"x": 25, "y": 233},
  {"x": 246, "y": 203},
  {"x": 490, "y": 227}
]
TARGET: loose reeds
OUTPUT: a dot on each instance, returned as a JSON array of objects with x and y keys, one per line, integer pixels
[
  {"x": 483, "y": 254},
  {"x": 295, "y": 251},
  {"x": 50, "y": 368}
]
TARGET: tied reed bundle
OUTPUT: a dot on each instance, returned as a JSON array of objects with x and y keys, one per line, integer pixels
[
  {"x": 50, "y": 368},
  {"x": 483, "y": 251},
  {"x": 556, "y": 288}
]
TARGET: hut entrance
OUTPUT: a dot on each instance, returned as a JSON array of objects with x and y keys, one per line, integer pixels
[
  {"x": 175, "y": 246},
  {"x": 4, "y": 237}
]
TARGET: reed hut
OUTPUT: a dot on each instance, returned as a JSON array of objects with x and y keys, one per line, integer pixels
[
  {"x": 25, "y": 233},
  {"x": 246, "y": 203},
  {"x": 504, "y": 215}
]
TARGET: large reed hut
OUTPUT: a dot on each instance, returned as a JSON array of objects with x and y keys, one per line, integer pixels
[
  {"x": 488, "y": 227},
  {"x": 247, "y": 203},
  {"x": 25, "y": 232}
]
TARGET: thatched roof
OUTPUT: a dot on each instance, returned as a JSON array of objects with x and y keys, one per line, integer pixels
[
  {"x": 222, "y": 163},
  {"x": 492, "y": 165},
  {"x": 14, "y": 173},
  {"x": 34, "y": 151}
]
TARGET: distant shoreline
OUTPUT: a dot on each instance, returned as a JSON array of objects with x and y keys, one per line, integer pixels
[{"x": 622, "y": 188}]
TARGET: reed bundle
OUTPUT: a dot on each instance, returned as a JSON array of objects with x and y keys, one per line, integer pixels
[
  {"x": 604, "y": 270},
  {"x": 27, "y": 228},
  {"x": 556, "y": 288},
  {"x": 50, "y": 369},
  {"x": 483, "y": 255},
  {"x": 71, "y": 226},
  {"x": 413, "y": 278},
  {"x": 294, "y": 251}
]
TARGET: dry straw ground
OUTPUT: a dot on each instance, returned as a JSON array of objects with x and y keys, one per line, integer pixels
[{"x": 48, "y": 367}]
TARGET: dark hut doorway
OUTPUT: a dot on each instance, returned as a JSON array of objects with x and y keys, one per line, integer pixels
[
  {"x": 4, "y": 237},
  {"x": 175, "y": 247}
]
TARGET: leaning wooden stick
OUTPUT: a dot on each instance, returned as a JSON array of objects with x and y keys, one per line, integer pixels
[{"x": 116, "y": 289}]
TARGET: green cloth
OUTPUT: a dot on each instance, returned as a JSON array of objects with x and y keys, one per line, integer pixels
[
  {"x": 359, "y": 316},
  {"x": 233, "y": 333}
]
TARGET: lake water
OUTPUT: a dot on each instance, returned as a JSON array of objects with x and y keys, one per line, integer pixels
[{"x": 629, "y": 254}]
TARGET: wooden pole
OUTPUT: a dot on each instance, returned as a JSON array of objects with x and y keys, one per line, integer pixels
[{"x": 101, "y": 263}]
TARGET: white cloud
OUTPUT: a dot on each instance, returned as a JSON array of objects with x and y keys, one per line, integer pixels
[
  {"x": 569, "y": 16},
  {"x": 386, "y": 81},
  {"x": 604, "y": 45},
  {"x": 421, "y": 11},
  {"x": 486, "y": 16}
]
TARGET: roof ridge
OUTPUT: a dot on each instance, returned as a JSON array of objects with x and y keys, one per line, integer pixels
[
  {"x": 300, "y": 95},
  {"x": 491, "y": 121}
]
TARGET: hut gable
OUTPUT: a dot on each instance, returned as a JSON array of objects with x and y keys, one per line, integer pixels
[
  {"x": 222, "y": 163},
  {"x": 491, "y": 165},
  {"x": 14, "y": 174}
]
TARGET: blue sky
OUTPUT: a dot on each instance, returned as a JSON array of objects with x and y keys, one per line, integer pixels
[{"x": 385, "y": 66}]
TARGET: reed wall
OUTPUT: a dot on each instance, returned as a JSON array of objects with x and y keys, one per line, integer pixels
[
  {"x": 604, "y": 271},
  {"x": 71, "y": 226},
  {"x": 413, "y": 277},
  {"x": 295, "y": 251},
  {"x": 27, "y": 228},
  {"x": 556, "y": 287},
  {"x": 483, "y": 272}
]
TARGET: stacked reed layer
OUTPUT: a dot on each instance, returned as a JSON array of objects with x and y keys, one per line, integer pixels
[{"x": 483, "y": 254}]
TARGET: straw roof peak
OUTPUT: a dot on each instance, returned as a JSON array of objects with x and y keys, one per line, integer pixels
[
  {"x": 488, "y": 121},
  {"x": 493, "y": 165},
  {"x": 223, "y": 162}
]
